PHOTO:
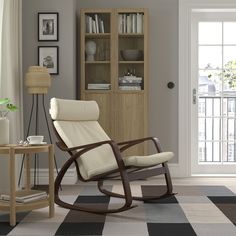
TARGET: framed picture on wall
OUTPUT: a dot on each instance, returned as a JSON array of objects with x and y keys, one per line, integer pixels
[
  {"x": 48, "y": 26},
  {"x": 48, "y": 56}
]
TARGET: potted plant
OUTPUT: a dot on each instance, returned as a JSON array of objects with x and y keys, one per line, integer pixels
[{"x": 5, "y": 107}]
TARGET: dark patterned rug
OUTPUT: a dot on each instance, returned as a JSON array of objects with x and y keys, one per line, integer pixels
[{"x": 195, "y": 210}]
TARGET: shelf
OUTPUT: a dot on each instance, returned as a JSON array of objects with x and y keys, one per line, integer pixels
[
  {"x": 100, "y": 35},
  {"x": 130, "y": 91},
  {"x": 131, "y": 62},
  {"x": 97, "y": 62},
  {"x": 120, "y": 109},
  {"x": 131, "y": 35},
  {"x": 5, "y": 206},
  {"x": 97, "y": 91}
]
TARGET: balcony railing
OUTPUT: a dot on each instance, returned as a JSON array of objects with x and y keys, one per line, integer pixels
[{"x": 217, "y": 129}]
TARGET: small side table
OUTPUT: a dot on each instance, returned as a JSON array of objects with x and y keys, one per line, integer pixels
[{"x": 12, "y": 206}]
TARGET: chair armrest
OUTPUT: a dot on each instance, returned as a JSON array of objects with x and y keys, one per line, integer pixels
[
  {"x": 127, "y": 144},
  {"x": 80, "y": 150},
  {"x": 63, "y": 147}
]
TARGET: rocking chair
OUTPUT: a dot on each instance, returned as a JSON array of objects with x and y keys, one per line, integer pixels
[{"x": 98, "y": 158}]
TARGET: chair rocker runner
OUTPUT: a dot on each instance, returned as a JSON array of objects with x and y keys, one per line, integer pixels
[{"x": 98, "y": 158}]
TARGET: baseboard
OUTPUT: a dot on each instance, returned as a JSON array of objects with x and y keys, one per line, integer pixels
[
  {"x": 176, "y": 171},
  {"x": 69, "y": 178}
]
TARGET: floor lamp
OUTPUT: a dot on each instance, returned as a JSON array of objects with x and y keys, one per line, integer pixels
[{"x": 37, "y": 81}]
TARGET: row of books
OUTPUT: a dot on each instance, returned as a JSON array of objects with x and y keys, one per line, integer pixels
[
  {"x": 130, "y": 83},
  {"x": 24, "y": 197},
  {"x": 131, "y": 23},
  {"x": 94, "y": 24}
]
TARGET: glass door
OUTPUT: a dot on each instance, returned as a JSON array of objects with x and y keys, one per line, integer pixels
[{"x": 214, "y": 93}]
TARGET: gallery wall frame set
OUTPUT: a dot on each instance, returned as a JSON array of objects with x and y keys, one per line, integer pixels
[
  {"x": 48, "y": 29},
  {"x": 48, "y": 56}
]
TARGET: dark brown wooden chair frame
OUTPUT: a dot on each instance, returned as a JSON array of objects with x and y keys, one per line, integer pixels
[{"x": 126, "y": 174}]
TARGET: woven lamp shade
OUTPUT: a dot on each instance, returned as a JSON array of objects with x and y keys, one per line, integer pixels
[{"x": 37, "y": 80}]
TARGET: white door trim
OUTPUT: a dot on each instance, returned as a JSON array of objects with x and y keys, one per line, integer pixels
[{"x": 185, "y": 97}]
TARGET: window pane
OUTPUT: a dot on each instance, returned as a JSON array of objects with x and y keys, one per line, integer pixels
[
  {"x": 231, "y": 152},
  {"x": 209, "y": 107},
  {"x": 229, "y": 81},
  {"x": 229, "y": 57},
  {"x": 210, "y": 57},
  {"x": 201, "y": 107},
  {"x": 209, "y": 151},
  {"x": 216, "y": 129},
  {"x": 201, "y": 129},
  {"x": 201, "y": 151},
  {"x": 209, "y": 82},
  {"x": 231, "y": 107},
  {"x": 210, "y": 33},
  {"x": 231, "y": 133},
  {"x": 217, "y": 107},
  {"x": 216, "y": 150},
  {"x": 229, "y": 32},
  {"x": 209, "y": 127},
  {"x": 225, "y": 129}
]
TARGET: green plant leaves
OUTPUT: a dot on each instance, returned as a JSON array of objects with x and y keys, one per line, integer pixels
[
  {"x": 4, "y": 101},
  {"x": 6, "y": 106}
]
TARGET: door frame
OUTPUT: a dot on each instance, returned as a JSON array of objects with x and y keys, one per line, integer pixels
[{"x": 186, "y": 7}]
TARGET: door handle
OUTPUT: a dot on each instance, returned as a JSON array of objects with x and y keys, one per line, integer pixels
[{"x": 194, "y": 96}]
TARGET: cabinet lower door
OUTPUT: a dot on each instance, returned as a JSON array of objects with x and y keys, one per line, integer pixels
[
  {"x": 105, "y": 114},
  {"x": 130, "y": 120}
]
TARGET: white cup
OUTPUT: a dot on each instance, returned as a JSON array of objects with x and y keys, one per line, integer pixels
[{"x": 37, "y": 139}]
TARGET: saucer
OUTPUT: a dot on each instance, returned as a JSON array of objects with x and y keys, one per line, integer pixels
[{"x": 36, "y": 144}]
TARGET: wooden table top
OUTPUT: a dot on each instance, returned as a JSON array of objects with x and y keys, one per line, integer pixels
[{"x": 5, "y": 149}]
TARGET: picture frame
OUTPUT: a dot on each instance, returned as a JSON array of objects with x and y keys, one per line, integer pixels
[
  {"x": 48, "y": 56},
  {"x": 48, "y": 29}
]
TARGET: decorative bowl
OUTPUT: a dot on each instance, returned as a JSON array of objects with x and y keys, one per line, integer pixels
[{"x": 131, "y": 54}]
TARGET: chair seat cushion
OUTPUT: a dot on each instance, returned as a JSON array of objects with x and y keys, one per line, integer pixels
[{"x": 150, "y": 160}]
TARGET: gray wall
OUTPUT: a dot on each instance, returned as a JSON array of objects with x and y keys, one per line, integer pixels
[
  {"x": 64, "y": 84},
  {"x": 163, "y": 44}
]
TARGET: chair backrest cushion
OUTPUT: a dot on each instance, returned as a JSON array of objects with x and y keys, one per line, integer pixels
[
  {"x": 77, "y": 110},
  {"x": 82, "y": 132}
]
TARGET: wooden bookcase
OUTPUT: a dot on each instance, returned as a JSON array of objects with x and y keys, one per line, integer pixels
[{"x": 123, "y": 112}]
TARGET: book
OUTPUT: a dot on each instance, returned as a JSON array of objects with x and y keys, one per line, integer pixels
[
  {"x": 120, "y": 25},
  {"x": 99, "y": 86},
  {"x": 23, "y": 196},
  {"x": 129, "y": 84},
  {"x": 130, "y": 79},
  {"x": 32, "y": 199},
  {"x": 94, "y": 30},
  {"x": 123, "y": 23},
  {"x": 130, "y": 87},
  {"x": 88, "y": 22},
  {"x": 129, "y": 24},
  {"x": 134, "y": 23},
  {"x": 139, "y": 23},
  {"x": 101, "y": 24},
  {"x": 96, "y": 23}
]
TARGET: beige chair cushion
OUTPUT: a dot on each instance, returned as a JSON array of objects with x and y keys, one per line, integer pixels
[
  {"x": 149, "y": 160},
  {"x": 77, "y": 110},
  {"x": 76, "y": 123},
  {"x": 96, "y": 161}
]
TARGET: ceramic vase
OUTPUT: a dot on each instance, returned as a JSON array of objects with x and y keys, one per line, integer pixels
[{"x": 4, "y": 131}]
